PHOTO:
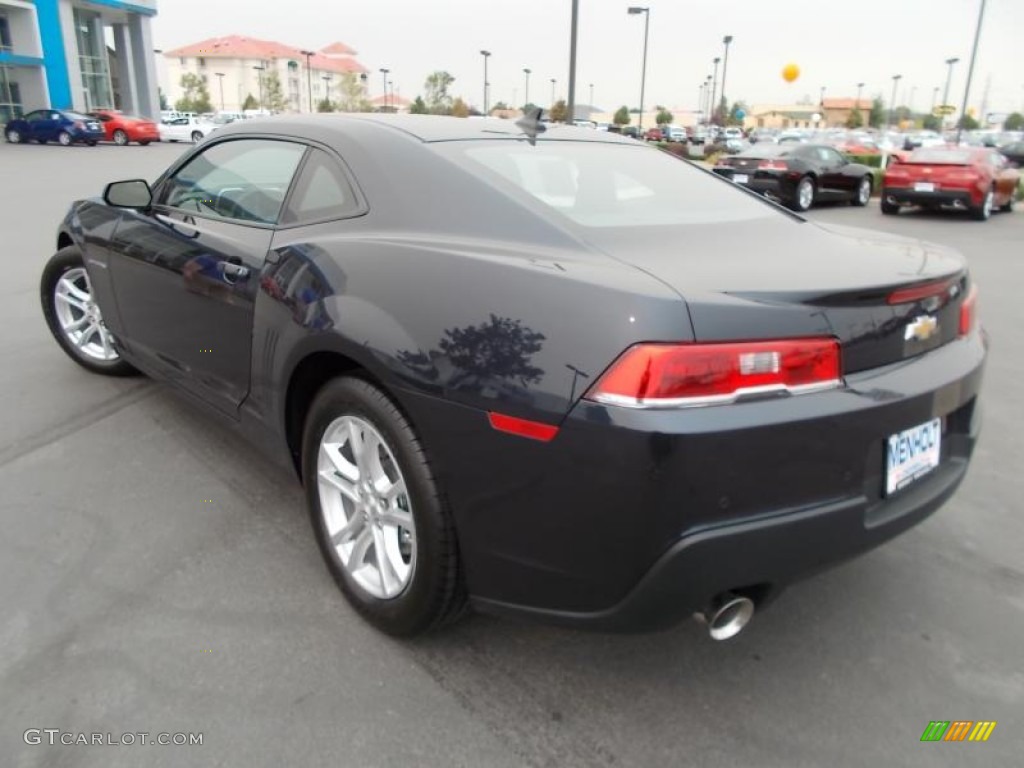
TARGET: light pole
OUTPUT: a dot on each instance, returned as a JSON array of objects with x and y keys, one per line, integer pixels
[
  {"x": 700, "y": 102},
  {"x": 591, "y": 96},
  {"x": 935, "y": 96},
  {"x": 327, "y": 89},
  {"x": 309, "y": 76},
  {"x": 707, "y": 100},
  {"x": 860, "y": 89},
  {"x": 714, "y": 89},
  {"x": 526, "y": 72},
  {"x": 970, "y": 72},
  {"x": 220, "y": 79},
  {"x": 633, "y": 10},
  {"x": 259, "y": 76},
  {"x": 384, "y": 81},
  {"x": 486, "y": 55},
  {"x": 725, "y": 66},
  {"x": 892, "y": 102},
  {"x": 949, "y": 78},
  {"x": 913, "y": 96},
  {"x": 553, "y": 81},
  {"x": 571, "y": 106}
]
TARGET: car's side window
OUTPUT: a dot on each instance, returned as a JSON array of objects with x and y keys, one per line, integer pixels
[
  {"x": 244, "y": 179},
  {"x": 321, "y": 192},
  {"x": 35, "y": 117}
]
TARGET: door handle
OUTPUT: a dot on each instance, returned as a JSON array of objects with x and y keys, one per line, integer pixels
[{"x": 232, "y": 272}]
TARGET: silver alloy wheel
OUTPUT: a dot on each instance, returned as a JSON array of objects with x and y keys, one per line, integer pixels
[
  {"x": 366, "y": 507},
  {"x": 79, "y": 317},
  {"x": 986, "y": 206},
  {"x": 805, "y": 194},
  {"x": 64, "y": 138},
  {"x": 120, "y": 138},
  {"x": 196, "y": 137},
  {"x": 13, "y": 136},
  {"x": 864, "y": 191}
]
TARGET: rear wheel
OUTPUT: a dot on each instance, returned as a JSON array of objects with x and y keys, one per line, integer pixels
[
  {"x": 984, "y": 211},
  {"x": 863, "y": 194},
  {"x": 13, "y": 135},
  {"x": 120, "y": 137},
  {"x": 382, "y": 526},
  {"x": 74, "y": 318},
  {"x": 197, "y": 136},
  {"x": 803, "y": 197},
  {"x": 64, "y": 138},
  {"x": 887, "y": 207}
]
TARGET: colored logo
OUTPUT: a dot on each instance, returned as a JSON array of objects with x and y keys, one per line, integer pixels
[
  {"x": 958, "y": 730},
  {"x": 922, "y": 328}
]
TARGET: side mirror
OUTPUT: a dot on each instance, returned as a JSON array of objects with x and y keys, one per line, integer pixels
[{"x": 128, "y": 194}]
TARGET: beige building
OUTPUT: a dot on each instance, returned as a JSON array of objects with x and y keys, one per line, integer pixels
[
  {"x": 235, "y": 67},
  {"x": 831, "y": 113}
]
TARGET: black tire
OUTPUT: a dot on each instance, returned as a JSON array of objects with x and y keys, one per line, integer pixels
[
  {"x": 144, "y": 143},
  {"x": 197, "y": 136},
  {"x": 120, "y": 138},
  {"x": 64, "y": 139},
  {"x": 435, "y": 593},
  {"x": 66, "y": 259},
  {"x": 14, "y": 136},
  {"x": 1007, "y": 207},
  {"x": 92, "y": 143},
  {"x": 984, "y": 211},
  {"x": 41, "y": 141},
  {"x": 860, "y": 197},
  {"x": 800, "y": 202},
  {"x": 889, "y": 209}
]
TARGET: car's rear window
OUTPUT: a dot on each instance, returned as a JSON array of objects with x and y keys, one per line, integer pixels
[
  {"x": 607, "y": 185},
  {"x": 941, "y": 156}
]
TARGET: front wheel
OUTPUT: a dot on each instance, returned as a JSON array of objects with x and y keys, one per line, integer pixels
[
  {"x": 984, "y": 211},
  {"x": 13, "y": 136},
  {"x": 382, "y": 525},
  {"x": 120, "y": 137},
  {"x": 64, "y": 139},
  {"x": 74, "y": 318},
  {"x": 863, "y": 194},
  {"x": 803, "y": 197},
  {"x": 197, "y": 136}
]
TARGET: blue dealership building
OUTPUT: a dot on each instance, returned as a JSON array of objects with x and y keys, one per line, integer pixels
[{"x": 77, "y": 54}]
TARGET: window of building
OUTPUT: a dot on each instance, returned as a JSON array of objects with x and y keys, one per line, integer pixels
[
  {"x": 202, "y": 62},
  {"x": 92, "y": 60},
  {"x": 5, "y": 34},
  {"x": 10, "y": 95}
]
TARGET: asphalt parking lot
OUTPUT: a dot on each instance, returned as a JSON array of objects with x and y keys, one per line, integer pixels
[{"x": 158, "y": 575}]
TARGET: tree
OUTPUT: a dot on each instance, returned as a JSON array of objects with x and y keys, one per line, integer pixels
[
  {"x": 501, "y": 105},
  {"x": 1014, "y": 122},
  {"x": 968, "y": 123},
  {"x": 559, "y": 112},
  {"x": 250, "y": 103},
  {"x": 737, "y": 107},
  {"x": 273, "y": 95},
  {"x": 163, "y": 99},
  {"x": 855, "y": 120},
  {"x": 439, "y": 101},
  {"x": 351, "y": 94},
  {"x": 622, "y": 116},
  {"x": 325, "y": 105},
  {"x": 664, "y": 117},
  {"x": 196, "y": 98},
  {"x": 418, "y": 107},
  {"x": 529, "y": 107},
  {"x": 459, "y": 108},
  {"x": 876, "y": 119},
  {"x": 931, "y": 123}
]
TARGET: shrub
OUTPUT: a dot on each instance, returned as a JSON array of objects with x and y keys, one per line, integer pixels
[{"x": 871, "y": 161}]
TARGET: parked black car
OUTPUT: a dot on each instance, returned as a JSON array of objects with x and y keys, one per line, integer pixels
[
  {"x": 798, "y": 175},
  {"x": 555, "y": 374},
  {"x": 1014, "y": 153}
]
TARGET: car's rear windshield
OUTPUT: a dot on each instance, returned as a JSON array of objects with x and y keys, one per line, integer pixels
[
  {"x": 941, "y": 156},
  {"x": 596, "y": 184},
  {"x": 762, "y": 151},
  {"x": 78, "y": 116}
]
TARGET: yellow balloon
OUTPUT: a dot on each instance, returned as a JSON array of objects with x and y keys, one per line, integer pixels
[{"x": 790, "y": 72}]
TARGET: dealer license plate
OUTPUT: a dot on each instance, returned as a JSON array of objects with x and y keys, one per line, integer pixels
[
  {"x": 924, "y": 186},
  {"x": 741, "y": 178},
  {"x": 912, "y": 453}
]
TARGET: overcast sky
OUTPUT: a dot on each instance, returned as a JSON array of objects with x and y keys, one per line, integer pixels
[{"x": 836, "y": 44}]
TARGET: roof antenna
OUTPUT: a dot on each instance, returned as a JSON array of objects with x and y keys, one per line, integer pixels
[{"x": 531, "y": 124}]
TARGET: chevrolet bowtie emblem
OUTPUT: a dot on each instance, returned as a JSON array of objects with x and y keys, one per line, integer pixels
[{"x": 922, "y": 328}]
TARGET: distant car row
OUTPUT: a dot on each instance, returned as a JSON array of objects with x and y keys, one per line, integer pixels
[
  {"x": 977, "y": 180},
  {"x": 67, "y": 127}
]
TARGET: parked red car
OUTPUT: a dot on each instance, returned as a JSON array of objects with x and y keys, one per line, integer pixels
[
  {"x": 963, "y": 178},
  {"x": 121, "y": 128}
]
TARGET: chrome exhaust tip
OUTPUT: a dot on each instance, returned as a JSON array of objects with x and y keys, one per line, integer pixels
[{"x": 727, "y": 615}]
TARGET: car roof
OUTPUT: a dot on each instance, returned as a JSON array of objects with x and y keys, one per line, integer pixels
[{"x": 426, "y": 128}]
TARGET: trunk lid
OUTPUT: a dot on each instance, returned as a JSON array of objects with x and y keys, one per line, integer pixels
[{"x": 783, "y": 277}]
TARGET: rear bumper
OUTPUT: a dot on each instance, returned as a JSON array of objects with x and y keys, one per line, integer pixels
[
  {"x": 947, "y": 197},
  {"x": 775, "y": 185}
]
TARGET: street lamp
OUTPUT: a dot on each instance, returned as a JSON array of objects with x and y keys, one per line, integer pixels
[
  {"x": 700, "y": 101},
  {"x": 220, "y": 79},
  {"x": 384, "y": 79},
  {"x": 892, "y": 102},
  {"x": 970, "y": 73},
  {"x": 486, "y": 55},
  {"x": 935, "y": 96},
  {"x": 259, "y": 75},
  {"x": 860, "y": 88},
  {"x": 725, "y": 66},
  {"x": 571, "y": 106},
  {"x": 553, "y": 81},
  {"x": 707, "y": 100},
  {"x": 633, "y": 10},
  {"x": 591, "y": 97},
  {"x": 821, "y": 98},
  {"x": 949, "y": 78},
  {"x": 526, "y": 71},
  {"x": 309, "y": 76},
  {"x": 714, "y": 89}
]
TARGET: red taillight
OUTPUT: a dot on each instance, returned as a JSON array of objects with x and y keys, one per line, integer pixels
[
  {"x": 675, "y": 375},
  {"x": 535, "y": 430},
  {"x": 918, "y": 292},
  {"x": 969, "y": 312},
  {"x": 772, "y": 165}
]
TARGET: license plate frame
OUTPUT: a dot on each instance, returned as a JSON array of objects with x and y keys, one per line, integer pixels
[
  {"x": 911, "y": 454},
  {"x": 741, "y": 178},
  {"x": 924, "y": 186}
]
